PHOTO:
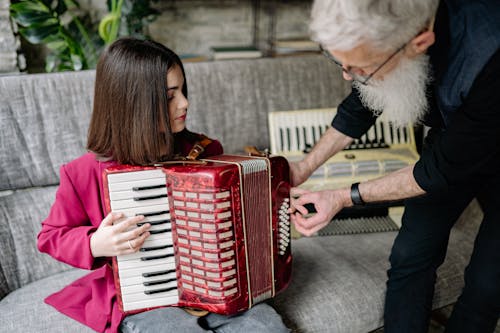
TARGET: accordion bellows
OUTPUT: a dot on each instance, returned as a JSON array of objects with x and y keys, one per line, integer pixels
[{"x": 220, "y": 235}]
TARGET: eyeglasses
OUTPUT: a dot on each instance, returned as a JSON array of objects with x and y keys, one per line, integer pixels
[{"x": 363, "y": 79}]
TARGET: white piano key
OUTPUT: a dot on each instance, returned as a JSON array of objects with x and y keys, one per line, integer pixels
[
  {"x": 129, "y": 212},
  {"x": 151, "y": 302},
  {"x": 163, "y": 237},
  {"x": 131, "y": 194},
  {"x": 129, "y": 185},
  {"x": 371, "y": 134},
  {"x": 138, "y": 271},
  {"x": 130, "y": 291},
  {"x": 140, "y": 254},
  {"x": 119, "y": 177},
  {"x": 139, "y": 279},
  {"x": 130, "y": 203},
  {"x": 137, "y": 263}
]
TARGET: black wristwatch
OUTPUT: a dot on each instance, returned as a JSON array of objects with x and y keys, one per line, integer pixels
[{"x": 356, "y": 196}]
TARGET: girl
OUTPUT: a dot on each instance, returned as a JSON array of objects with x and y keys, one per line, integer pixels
[{"x": 140, "y": 107}]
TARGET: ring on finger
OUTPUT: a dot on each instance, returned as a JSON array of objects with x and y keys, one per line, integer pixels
[{"x": 130, "y": 244}]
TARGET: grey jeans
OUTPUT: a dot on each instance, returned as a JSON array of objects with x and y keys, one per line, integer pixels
[{"x": 261, "y": 318}]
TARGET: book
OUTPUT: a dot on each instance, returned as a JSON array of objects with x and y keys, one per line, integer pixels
[
  {"x": 235, "y": 52},
  {"x": 193, "y": 57},
  {"x": 294, "y": 46}
]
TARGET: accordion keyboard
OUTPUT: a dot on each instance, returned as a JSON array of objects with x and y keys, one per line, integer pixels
[
  {"x": 147, "y": 277},
  {"x": 383, "y": 149}
]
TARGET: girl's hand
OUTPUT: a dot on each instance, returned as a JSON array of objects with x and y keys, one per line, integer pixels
[{"x": 112, "y": 239}]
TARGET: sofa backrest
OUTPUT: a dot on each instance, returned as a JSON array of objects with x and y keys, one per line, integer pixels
[
  {"x": 230, "y": 100},
  {"x": 44, "y": 120}
]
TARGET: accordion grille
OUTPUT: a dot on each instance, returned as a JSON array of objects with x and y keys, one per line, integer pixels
[
  {"x": 256, "y": 193},
  {"x": 205, "y": 238}
]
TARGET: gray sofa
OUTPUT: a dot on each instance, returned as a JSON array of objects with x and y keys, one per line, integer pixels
[{"x": 338, "y": 281}]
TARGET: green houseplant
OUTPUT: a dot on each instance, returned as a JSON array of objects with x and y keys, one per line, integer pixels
[{"x": 73, "y": 41}]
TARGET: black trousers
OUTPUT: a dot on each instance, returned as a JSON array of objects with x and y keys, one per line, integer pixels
[{"x": 420, "y": 248}]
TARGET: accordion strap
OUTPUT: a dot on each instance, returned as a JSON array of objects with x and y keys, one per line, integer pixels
[
  {"x": 196, "y": 312},
  {"x": 198, "y": 147}
]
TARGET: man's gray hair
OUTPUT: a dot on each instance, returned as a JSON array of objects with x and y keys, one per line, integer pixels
[{"x": 384, "y": 24}]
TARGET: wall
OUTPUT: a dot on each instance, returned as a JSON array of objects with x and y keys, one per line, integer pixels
[{"x": 193, "y": 26}]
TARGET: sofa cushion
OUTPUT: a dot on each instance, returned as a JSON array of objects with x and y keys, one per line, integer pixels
[
  {"x": 22, "y": 213},
  {"x": 23, "y": 311},
  {"x": 338, "y": 282},
  {"x": 44, "y": 121}
]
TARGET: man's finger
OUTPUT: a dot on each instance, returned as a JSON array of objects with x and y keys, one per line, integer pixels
[
  {"x": 297, "y": 192},
  {"x": 301, "y": 209}
]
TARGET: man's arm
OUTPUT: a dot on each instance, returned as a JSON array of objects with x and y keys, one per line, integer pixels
[
  {"x": 397, "y": 185},
  {"x": 330, "y": 143},
  {"x": 394, "y": 186},
  {"x": 351, "y": 121}
]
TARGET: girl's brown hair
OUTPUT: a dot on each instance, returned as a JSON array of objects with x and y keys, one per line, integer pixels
[{"x": 130, "y": 102}]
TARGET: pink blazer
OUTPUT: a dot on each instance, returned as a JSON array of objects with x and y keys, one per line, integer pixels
[{"x": 75, "y": 215}]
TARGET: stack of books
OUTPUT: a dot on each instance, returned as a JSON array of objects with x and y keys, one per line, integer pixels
[{"x": 235, "y": 52}]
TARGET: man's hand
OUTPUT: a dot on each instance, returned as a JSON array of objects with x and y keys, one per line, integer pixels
[
  {"x": 327, "y": 204},
  {"x": 112, "y": 239}
]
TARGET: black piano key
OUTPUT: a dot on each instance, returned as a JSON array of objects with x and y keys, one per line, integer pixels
[
  {"x": 154, "y": 213},
  {"x": 158, "y": 273},
  {"x": 153, "y": 248},
  {"x": 304, "y": 136},
  {"x": 154, "y": 222},
  {"x": 314, "y": 137},
  {"x": 288, "y": 139},
  {"x": 157, "y": 282},
  {"x": 382, "y": 136},
  {"x": 282, "y": 141},
  {"x": 159, "y": 231},
  {"x": 150, "y": 197},
  {"x": 152, "y": 187},
  {"x": 297, "y": 136},
  {"x": 391, "y": 130},
  {"x": 405, "y": 134},
  {"x": 156, "y": 291},
  {"x": 376, "y": 142},
  {"x": 161, "y": 256}
]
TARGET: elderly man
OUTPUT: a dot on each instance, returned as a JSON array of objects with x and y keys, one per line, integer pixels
[{"x": 435, "y": 62}]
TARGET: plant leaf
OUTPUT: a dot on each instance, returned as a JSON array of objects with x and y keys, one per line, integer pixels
[{"x": 37, "y": 35}]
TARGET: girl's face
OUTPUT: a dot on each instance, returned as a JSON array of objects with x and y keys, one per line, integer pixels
[{"x": 177, "y": 102}]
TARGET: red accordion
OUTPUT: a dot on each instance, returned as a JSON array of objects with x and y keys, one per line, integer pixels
[{"x": 220, "y": 233}]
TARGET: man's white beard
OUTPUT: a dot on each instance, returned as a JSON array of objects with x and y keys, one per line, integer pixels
[{"x": 401, "y": 95}]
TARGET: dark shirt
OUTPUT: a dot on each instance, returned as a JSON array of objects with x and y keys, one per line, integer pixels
[
  {"x": 463, "y": 146},
  {"x": 185, "y": 139}
]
